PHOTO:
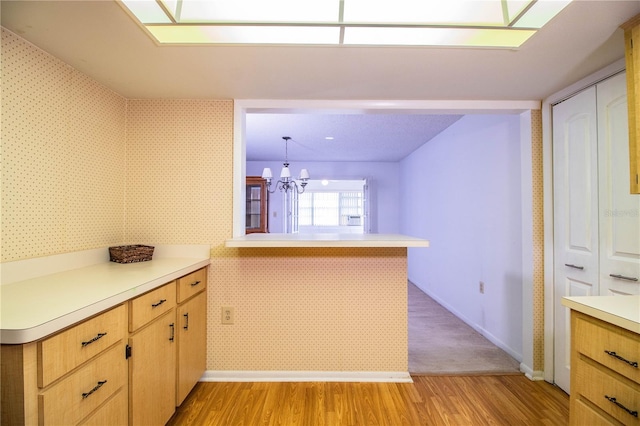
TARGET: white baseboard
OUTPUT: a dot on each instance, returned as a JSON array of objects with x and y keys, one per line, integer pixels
[{"x": 305, "y": 376}]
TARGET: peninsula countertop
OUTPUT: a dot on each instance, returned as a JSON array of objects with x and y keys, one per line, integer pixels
[
  {"x": 39, "y": 306},
  {"x": 326, "y": 240},
  {"x": 623, "y": 311}
]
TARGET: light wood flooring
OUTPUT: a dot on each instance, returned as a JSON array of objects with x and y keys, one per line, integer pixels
[{"x": 430, "y": 400}]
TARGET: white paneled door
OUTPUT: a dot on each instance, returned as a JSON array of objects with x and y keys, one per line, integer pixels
[
  {"x": 596, "y": 219},
  {"x": 619, "y": 209},
  {"x": 575, "y": 215}
]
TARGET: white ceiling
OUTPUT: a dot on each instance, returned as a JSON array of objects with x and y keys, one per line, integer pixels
[{"x": 99, "y": 39}]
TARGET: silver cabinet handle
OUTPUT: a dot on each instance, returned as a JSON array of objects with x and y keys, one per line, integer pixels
[
  {"x": 574, "y": 266},
  {"x": 622, "y": 277}
]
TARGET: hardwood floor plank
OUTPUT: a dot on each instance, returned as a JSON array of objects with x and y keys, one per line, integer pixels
[{"x": 430, "y": 400}]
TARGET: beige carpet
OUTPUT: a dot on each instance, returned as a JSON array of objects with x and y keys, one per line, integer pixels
[{"x": 441, "y": 343}]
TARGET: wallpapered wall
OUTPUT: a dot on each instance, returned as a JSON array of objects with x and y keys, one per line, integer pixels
[
  {"x": 538, "y": 239},
  {"x": 84, "y": 168},
  {"x": 63, "y": 156}
]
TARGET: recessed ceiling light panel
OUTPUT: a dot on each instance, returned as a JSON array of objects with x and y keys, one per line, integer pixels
[{"x": 468, "y": 23}]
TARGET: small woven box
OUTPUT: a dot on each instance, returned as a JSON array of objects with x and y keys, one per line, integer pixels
[{"x": 130, "y": 254}]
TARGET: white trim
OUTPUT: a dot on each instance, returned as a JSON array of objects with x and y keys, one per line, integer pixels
[
  {"x": 440, "y": 106},
  {"x": 242, "y": 106},
  {"x": 305, "y": 376},
  {"x": 547, "y": 141}
]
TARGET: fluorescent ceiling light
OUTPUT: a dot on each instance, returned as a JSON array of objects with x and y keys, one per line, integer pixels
[
  {"x": 465, "y": 23},
  {"x": 229, "y": 34},
  {"x": 472, "y": 37}
]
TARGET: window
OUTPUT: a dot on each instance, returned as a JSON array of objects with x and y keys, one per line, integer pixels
[{"x": 332, "y": 206}]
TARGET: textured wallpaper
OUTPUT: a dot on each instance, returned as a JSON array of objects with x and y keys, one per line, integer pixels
[
  {"x": 63, "y": 156},
  {"x": 538, "y": 239},
  {"x": 295, "y": 309},
  {"x": 83, "y": 167}
]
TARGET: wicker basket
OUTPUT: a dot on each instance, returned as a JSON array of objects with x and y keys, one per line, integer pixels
[{"x": 130, "y": 254}]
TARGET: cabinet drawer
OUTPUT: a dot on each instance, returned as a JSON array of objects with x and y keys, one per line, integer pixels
[
  {"x": 581, "y": 414},
  {"x": 114, "y": 412},
  {"x": 77, "y": 395},
  {"x": 79, "y": 344},
  {"x": 597, "y": 385},
  {"x": 191, "y": 284},
  {"x": 607, "y": 344},
  {"x": 151, "y": 305}
]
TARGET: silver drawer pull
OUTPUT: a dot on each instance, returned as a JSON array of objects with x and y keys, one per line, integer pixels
[
  {"x": 622, "y": 277},
  {"x": 616, "y": 356},
  {"x": 155, "y": 305},
  {"x": 574, "y": 266},
  {"x": 98, "y": 337},
  {"x": 634, "y": 413},
  {"x": 98, "y": 386}
]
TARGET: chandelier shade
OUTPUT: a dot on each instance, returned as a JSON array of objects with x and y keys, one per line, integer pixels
[{"x": 286, "y": 183}]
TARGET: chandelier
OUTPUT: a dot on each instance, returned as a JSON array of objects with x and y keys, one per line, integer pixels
[{"x": 286, "y": 183}]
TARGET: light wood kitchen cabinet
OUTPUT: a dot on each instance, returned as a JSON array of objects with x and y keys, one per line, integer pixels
[
  {"x": 257, "y": 205},
  {"x": 69, "y": 377},
  {"x": 111, "y": 413},
  {"x": 130, "y": 364},
  {"x": 191, "y": 332},
  {"x": 632, "y": 59},
  {"x": 192, "y": 344},
  {"x": 95, "y": 335},
  {"x": 605, "y": 379},
  {"x": 80, "y": 394},
  {"x": 152, "y": 360}
]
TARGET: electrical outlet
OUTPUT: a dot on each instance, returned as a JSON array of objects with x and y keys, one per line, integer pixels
[
  {"x": 227, "y": 315},
  {"x": 481, "y": 287}
]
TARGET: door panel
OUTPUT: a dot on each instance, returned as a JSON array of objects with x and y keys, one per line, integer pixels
[
  {"x": 619, "y": 210},
  {"x": 575, "y": 215}
]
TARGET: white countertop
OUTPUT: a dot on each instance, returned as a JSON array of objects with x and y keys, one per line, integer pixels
[
  {"x": 36, "y": 307},
  {"x": 623, "y": 311},
  {"x": 326, "y": 240}
]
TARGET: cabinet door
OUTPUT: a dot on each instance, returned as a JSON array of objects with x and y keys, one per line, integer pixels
[
  {"x": 575, "y": 152},
  {"x": 256, "y": 205},
  {"x": 152, "y": 372},
  {"x": 632, "y": 55},
  {"x": 191, "y": 331},
  {"x": 619, "y": 209}
]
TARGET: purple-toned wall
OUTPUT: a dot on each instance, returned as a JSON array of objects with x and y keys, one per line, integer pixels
[{"x": 462, "y": 192}]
